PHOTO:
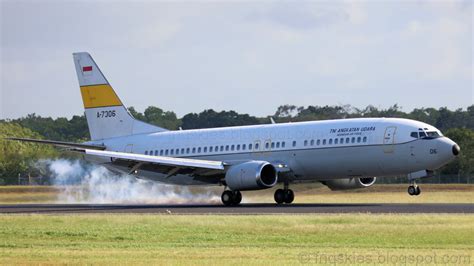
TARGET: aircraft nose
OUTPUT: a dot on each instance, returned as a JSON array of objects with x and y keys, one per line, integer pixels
[
  {"x": 456, "y": 149},
  {"x": 447, "y": 149}
]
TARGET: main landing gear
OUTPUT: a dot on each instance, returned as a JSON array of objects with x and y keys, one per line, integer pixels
[
  {"x": 414, "y": 189},
  {"x": 284, "y": 195},
  {"x": 231, "y": 198}
]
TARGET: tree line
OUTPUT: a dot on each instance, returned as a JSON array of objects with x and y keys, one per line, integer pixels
[{"x": 457, "y": 124}]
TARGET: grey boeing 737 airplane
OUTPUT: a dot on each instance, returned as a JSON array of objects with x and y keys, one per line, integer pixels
[{"x": 341, "y": 154}]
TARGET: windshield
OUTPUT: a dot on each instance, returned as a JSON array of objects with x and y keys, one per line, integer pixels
[
  {"x": 425, "y": 134},
  {"x": 432, "y": 134}
]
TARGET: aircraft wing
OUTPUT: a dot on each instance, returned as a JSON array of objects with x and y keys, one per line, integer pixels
[{"x": 160, "y": 160}]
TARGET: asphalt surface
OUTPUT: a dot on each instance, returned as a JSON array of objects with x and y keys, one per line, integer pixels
[{"x": 266, "y": 208}]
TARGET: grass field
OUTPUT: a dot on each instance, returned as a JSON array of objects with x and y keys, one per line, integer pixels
[
  {"x": 453, "y": 193},
  {"x": 211, "y": 239}
]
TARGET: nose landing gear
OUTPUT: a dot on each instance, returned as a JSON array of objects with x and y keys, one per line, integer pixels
[
  {"x": 414, "y": 190},
  {"x": 284, "y": 195},
  {"x": 231, "y": 198}
]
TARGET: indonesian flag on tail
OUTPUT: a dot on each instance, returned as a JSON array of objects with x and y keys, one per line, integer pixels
[{"x": 86, "y": 69}]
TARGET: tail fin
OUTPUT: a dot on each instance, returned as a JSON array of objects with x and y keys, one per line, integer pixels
[{"x": 106, "y": 116}]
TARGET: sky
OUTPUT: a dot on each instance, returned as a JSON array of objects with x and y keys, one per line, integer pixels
[{"x": 247, "y": 56}]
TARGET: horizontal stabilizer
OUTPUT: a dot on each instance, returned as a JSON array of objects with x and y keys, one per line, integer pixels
[{"x": 61, "y": 143}]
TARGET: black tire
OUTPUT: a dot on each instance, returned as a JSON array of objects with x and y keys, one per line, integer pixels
[
  {"x": 279, "y": 196},
  {"x": 411, "y": 190},
  {"x": 236, "y": 198},
  {"x": 418, "y": 191},
  {"x": 227, "y": 198},
  {"x": 289, "y": 196}
]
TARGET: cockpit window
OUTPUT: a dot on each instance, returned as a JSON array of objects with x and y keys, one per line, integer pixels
[
  {"x": 425, "y": 134},
  {"x": 432, "y": 134}
]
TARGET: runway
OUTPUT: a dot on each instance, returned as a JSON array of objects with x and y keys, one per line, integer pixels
[{"x": 252, "y": 209}]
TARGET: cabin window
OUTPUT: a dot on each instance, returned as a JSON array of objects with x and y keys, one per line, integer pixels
[
  {"x": 205, "y": 149},
  {"x": 177, "y": 151},
  {"x": 267, "y": 145},
  {"x": 199, "y": 149},
  {"x": 222, "y": 148},
  {"x": 188, "y": 150},
  {"x": 166, "y": 152},
  {"x": 232, "y": 147},
  {"x": 283, "y": 144},
  {"x": 171, "y": 152},
  {"x": 358, "y": 139},
  {"x": 161, "y": 152},
  {"x": 348, "y": 140},
  {"x": 312, "y": 142},
  {"x": 341, "y": 140},
  {"x": 330, "y": 141},
  {"x": 216, "y": 149},
  {"x": 305, "y": 143},
  {"x": 194, "y": 150},
  {"x": 278, "y": 145},
  {"x": 336, "y": 141},
  {"x": 256, "y": 146},
  {"x": 182, "y": 150},
  {"x": 324, "y": 141},
  {"x": 318, "y": 142},
  {"x": 146, "y": 152},
  {"x": 244, "y": 147},
  {"x": 250, "y": 146},
  {"x": 364, "y": 139},
  {"x": 273, "y": 145},
  {"x": 294, "y": 143},
  {"x": 210, "y": 149},
  {"x": 227, "y": 147},
  {"x": 353, "y": 139},
  {"x": 238, "y": 147}
]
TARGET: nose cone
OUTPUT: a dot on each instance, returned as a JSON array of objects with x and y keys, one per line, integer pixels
[
  {"x": 456, "y": 149},
  {"x": 447, "y": 149}
]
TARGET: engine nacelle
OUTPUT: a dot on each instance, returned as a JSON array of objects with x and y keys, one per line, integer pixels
[
  {"x": 350, "y": 183},
  {"x": 251, "y": 175}
]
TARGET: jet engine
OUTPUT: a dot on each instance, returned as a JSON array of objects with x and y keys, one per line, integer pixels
[
  {"x": 251, "y": 175},
  {"x": 350, "y": 183}
]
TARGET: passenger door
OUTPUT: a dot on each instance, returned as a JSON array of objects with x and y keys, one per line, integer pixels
[{"x": 389, "y": 139}]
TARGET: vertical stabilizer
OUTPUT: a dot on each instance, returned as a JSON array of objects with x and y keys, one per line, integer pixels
[{"x": 106, "y": 115}]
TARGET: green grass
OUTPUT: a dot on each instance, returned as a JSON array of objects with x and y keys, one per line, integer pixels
[{"x": 226, "y": 239}]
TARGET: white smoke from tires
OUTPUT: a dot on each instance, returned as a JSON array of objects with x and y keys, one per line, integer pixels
[{"x": 79, "y": 182}]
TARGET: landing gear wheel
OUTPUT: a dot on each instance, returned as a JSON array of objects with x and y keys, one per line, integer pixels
[
  {"x": 418, "y": 191},
  {"x": 231, "y": 198},
  {"x": 236, "y": 198},
  {"x": 227, "y": 197},
  {"x": 279, "y": 196},
  {"x": 289, "y": 196},
  {"x": 412, "y": 190}
]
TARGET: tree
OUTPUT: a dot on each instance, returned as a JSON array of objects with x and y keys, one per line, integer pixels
[
  {"x": 464, "y": 164},
  {"x": 210, "y": 118},
  {"x": 15, "y": 156}
]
